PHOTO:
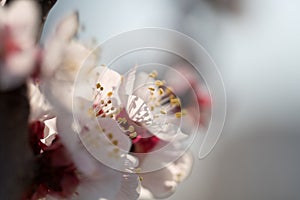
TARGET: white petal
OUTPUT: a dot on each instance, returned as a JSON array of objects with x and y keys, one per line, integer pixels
[
  {"x": 59, "y": 94},
  {"x": 181, "y": 168},
  {"x": 145, "y": 194},
  {"x": 40, "y": 109},
  {"x": 99, "y": 181},
  {"x": 74, "y": 56},
  {"x": 52, "y": 57},
  {"x": 107, "y": 143},
  {"x": 80, "y": 156},
  {"x": 109, "y": 184},
  {"x": 127, "y": 85},
  {"x": 141, "y": 85},
  {"x": 89, "y": 77},
  {"x": 162, "y": 183},
  {"x": 68, "y": 27}
]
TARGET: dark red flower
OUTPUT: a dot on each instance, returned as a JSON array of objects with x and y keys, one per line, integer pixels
[{"x": 55, "y": 173}]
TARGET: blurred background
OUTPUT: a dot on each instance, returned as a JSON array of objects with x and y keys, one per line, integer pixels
[{"x": 256, "y": 45}]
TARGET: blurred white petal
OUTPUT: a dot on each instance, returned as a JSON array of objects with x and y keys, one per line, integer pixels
[
  {"x": 40, "y": 109},
  {"x": 23, "y": 17},
  {"x": 68, "y": 27},
  {"x": 162, "y": 183},
  {"x": 2, "y": 2}
]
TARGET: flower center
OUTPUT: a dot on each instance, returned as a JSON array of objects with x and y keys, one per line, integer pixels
[{"x": 138, "y": 110}]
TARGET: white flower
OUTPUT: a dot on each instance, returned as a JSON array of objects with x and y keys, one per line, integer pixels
[
  {"x": 145, "y": 110},
  {"x": 162, "y": 162},
  {"x": 162, "y": 183},
  {"x": 18, "y": 35}
]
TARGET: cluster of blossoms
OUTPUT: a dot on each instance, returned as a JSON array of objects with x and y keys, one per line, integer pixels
[{"x": 95, "y": 134}]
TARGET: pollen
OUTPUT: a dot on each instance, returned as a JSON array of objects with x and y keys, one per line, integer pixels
[
  {"x": 169, "y": 90},
  {"x": 109, "y": 94},
  {"x": 141, "y": 178},
  {"x": 153, "y": 74},
  {"x": 115, "y": 142},
  {"x": 151, "y": 89},
  {"x": 130, "y": 128},
  {"x": 175, "y": 101},
  {"x": 161, "y": 91},
  {"x": 159, "y": 83},
  {"x": 180, "y": 114},
  {"x": 133, "y": 135},
  {"x": 138, "y": 170},
  {"x": 152, "y": 108},
  {"x": 98, "y": 85},
  {"x": 110, "y": 136},
  {"x": 163, "y": 112}
]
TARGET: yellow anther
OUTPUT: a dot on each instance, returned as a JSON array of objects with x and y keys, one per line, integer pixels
[
  {"x": 151, "y": 89},
  {"x": 102, "y": 101},
  {"x": 110, "y": 136},
  {"x": 141, "y": 178},
  {"x": 152, "y": 108},
  {"x": 98, "y": 85},
  {"x": 163, "y": 112},
  {"x": 159, "y": 83},
  {"x": 130, "y": 128},
  {"x": 161, "y": 91},
  {"x": 175, "y": 101},
  {"x": 133, "y": 135},
  {"x": 115, "y": 142},
  {"x": 109, "y": 94},
  {"x": 169, "y": 90},
  {"x": 180, "y": 114},
  {"x": 153, "y": 74},
  {"x": 138, "y": 170}
]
